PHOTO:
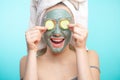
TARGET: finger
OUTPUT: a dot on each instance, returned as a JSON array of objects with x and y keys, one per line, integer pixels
[
  {"x": 71, "y": 27},
  {"x": 78, "y": 30},
  {"x": 74, "y": 25},
  {"x": 31, "y": 34},
  {"x": 40, "y": 28},
  {"x": 35, "y": 35},
  {"x": 34, "y": 31},
  {"x": 77, "y": 37},
  {"x": 28, "y": 38},
  {"x": 33, "y": 39},
  {"x": 79, "y": 25}
]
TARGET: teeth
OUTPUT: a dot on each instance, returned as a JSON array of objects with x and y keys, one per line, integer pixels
[{"x": 57, "y": 40}]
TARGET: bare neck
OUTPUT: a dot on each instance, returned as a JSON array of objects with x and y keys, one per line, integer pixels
[{"x": 65, "y": 54}]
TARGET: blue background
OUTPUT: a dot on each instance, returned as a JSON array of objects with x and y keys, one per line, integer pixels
[{"x": 104, "y": 36}]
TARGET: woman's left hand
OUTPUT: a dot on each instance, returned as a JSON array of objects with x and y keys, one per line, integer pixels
[{"x": 79, "y": 35}]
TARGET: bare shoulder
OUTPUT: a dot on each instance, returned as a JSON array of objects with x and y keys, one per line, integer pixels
[
  {"x": 92, "y": 53},
  {"x": 94, "y": 64},
  {"x": 22, "y": 66},
  {"x": 93, "y": 58}
]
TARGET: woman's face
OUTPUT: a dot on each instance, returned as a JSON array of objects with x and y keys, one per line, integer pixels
[{"x": 58, "y": 35}]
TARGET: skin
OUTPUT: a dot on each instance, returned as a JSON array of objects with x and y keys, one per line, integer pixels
[
  {"x": 63, "y": 66},
  {"x": 57, "y": 32}
]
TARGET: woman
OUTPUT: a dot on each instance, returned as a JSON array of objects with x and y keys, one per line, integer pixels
[{"x": 64, "y": 56}]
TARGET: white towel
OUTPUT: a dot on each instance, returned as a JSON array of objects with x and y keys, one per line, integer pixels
[{"x": 79, "y": 9}]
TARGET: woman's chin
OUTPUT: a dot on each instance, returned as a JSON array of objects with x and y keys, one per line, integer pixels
[{"x": 57, "y": 51}]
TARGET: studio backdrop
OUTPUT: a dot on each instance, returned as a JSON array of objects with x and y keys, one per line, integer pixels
[{"x": 104, "y": 36}]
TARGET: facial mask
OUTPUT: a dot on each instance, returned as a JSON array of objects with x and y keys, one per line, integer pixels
[{"x": 58, "y": 35}]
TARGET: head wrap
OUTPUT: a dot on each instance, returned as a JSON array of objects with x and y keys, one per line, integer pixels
[{"x": 79, "y": 9}]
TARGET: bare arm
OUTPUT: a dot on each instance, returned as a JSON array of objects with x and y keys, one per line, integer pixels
[
  {"x": 84, "y": 59},
  {"x": 31, "y": 67},
  {"x": 28, "y": 66},
  {"x": 87, "y": 65}
]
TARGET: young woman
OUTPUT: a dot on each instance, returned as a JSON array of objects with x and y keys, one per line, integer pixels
[{"x": 65, "y": 56}]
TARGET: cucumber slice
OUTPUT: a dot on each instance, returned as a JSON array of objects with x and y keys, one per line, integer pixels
[
  {"x": 64, "y": 24},
  {"x": 49, "y": 24}
]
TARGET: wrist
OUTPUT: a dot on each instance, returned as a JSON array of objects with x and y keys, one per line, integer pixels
[
  {"x": 81, "y": 50},
  {"x": 32, "y": 52}
]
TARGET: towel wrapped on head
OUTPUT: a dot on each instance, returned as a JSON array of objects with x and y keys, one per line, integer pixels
[{"x": 79, "y": 9}]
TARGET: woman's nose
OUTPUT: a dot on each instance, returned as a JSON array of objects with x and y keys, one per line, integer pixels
[{"x": 57, "y": 31}]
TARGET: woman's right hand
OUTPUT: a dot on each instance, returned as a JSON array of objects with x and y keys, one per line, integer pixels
[{"x": 33, "y": 37}]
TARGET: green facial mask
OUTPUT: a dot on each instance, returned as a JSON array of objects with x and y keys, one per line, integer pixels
[{"x": 58, "y": 35}]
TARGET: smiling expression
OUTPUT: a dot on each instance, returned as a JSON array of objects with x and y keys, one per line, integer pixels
[{"x": 58, "y": 35}]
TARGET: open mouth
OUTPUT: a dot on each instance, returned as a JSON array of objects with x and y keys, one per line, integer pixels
[{"x": 57, "y": 42}]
